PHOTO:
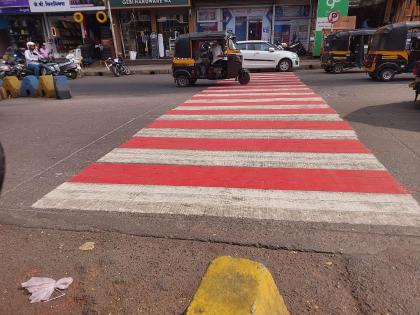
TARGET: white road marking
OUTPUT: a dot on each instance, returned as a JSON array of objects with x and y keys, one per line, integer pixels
[
  {"x": 271, "y": 117},
  {"x": 246, "y": 133},
  {"x": 348, "y": 161},
  {"x": 310, "y": 206},
  {"x": 254, "y": 99}
]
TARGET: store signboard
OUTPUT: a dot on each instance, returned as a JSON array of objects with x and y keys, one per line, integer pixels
[
  {"x": 13, "y": 3},
  {"x": 66, "y": 5},
  {"x": 148, "y": 3},
  {"x": 324, "y": 9},
  {"x": 15, "y": 10},
  {"x": 14, "y": 7}
]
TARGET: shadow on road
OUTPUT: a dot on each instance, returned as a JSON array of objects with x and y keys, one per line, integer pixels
[{"x": 404, "y": 116}]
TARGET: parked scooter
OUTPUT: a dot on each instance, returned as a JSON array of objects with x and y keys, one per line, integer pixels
[
  {"x": 117, "y": 66},
  {"x": 296, "y": 47}
]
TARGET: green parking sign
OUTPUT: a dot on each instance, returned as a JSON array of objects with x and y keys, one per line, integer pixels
[{"x": 324, "y": 8}]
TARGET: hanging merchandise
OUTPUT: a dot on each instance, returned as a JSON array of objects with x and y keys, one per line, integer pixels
[
  {"x": 78, "y": 17},
  {"x": 101, "y": 17}
]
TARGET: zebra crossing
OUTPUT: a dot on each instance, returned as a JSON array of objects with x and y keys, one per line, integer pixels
[{"x": 272, "y": 149}]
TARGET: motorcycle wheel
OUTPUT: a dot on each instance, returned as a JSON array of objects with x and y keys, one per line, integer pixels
[
  {"x": 72, "y": 75},
  {"x": 115, "y": 71},
  {"x": 126, "y": 70}
]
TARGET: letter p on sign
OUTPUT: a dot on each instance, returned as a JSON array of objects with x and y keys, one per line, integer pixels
[{"x": 333, "y": 17}]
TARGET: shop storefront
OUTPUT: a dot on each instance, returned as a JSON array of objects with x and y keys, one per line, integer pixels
[
  {"x": 18, "y": 25},
  {"x": 292, "y": 23},
  {"x": 248, "y": 23},
  {"x": 254, "y": 20},
  {"x": 74, "y": 24},
  {"x": 149, "y": 28}
]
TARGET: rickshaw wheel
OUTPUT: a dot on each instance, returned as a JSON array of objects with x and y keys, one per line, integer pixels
[
  {"x": 182, "y": 81},
  {"x": 244, "y": 77},
  {"x": 387, "y": 75},
  {"x": 338, "y": 68}
]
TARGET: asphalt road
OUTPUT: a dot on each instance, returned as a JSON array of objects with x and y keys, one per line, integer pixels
[{"x": 152, "y": 264}]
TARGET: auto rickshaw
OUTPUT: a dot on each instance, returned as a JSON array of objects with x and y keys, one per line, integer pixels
[
  {"x": 344, "y": 50},
  {"x": 194, "y": 59},
  {"x": 393, "y": 49}
]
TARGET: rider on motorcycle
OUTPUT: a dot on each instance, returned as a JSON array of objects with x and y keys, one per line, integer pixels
[{"x": 32, "y": 58}]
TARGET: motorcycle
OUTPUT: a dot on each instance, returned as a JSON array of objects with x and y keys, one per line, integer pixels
[
  {"x": 296, "y": 47},
  {"x": 117, "y": 66}
]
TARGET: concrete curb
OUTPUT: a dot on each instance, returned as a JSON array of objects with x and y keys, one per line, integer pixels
[
  {"x": 312, "y": 66},
  {"x": 237, "y": 286}
]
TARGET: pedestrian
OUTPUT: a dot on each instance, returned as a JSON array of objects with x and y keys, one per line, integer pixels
[{"x": 32, "y": 58}]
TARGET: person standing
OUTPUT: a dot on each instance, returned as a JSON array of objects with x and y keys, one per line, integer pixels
[{"x": 32, "y": 58}]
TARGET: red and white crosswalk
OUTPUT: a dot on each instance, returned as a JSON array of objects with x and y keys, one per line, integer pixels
[{"x": 272, "y": 149}]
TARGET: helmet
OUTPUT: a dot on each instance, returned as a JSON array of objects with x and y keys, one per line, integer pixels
[{"x": 30, "y": 44}]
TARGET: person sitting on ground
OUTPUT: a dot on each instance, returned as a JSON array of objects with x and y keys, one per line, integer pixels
[{"x": 32, "y": 58}]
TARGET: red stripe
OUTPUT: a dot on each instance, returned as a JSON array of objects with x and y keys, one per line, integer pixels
[
  {"x": 241, "y": 177},
  {"x": 298, "y": 102},
  {"x": 250, "y": 124},
  {"x": 262, "y": 96},
  {"x": 249, "y": 88},
  {"x": 256, "y": 111},
  {"x": 256, "y": 145}
]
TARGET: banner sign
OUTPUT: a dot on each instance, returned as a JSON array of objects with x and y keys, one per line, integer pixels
[
  {"x": 66, "y": 5},
  {"x": 325, "y": 7},
  {"x": 15, "y": 10},
  {"x": 148, "y": 3},
  {"x": 13, "y": 3}
]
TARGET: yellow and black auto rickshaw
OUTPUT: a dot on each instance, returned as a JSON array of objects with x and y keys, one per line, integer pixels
[
  {"x": 393, "y": 49},
  {"x": 211, "y": 56},
  {"x": 344, "y": 50}
]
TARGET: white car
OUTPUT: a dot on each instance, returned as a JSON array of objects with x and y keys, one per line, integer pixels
[{"x": 259, "y": 54}]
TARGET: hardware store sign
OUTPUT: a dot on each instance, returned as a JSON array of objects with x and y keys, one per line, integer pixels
[
  {"x": 148, "y": 3},
  {"x": 65, "y": 5}
]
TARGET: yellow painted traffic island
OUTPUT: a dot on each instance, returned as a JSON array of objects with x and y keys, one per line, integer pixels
[{"x": 237, "y": 286}]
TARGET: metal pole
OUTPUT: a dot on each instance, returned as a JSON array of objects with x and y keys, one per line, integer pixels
[
  {"x": 112, "y": 29},
  {"x": 273, "y": 21},
  {"x": 309, "y": 25}
]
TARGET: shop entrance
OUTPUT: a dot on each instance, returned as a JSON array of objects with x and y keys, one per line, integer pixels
[
  {"x": 171, "y": 26},
  {"x": 254, "y": 28}
]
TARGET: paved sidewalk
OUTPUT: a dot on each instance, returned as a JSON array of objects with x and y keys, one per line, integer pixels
[{"x": 166, "y": 68}]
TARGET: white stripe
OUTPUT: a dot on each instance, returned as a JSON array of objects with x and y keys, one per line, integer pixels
[
  {"x": 228, "y": 87},
  {"x": 246, "y": 133},
  {"x": 271, "y": 117},
  {"x": 337, "y": 161},
  {"x": 236, "y": 107},
  {"x": 257, "y": 90},
  {"x": 353, "y": 208},
  {"x": 254, "y": 94},
  {"x": 209, "y": 100}
]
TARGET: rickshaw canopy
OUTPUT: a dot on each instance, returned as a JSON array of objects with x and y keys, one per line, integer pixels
[
  {"x": 339, "y": 41},
  {"x": 392, "y": 37},
  {"x": 183, "y": 42}
]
